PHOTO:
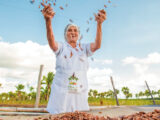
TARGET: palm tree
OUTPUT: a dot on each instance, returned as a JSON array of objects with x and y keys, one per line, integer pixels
[
  {"x": 31, "y": 89},
  {"x": 137, "y": 95},
  {"x": 11, "y": 95},
  {"x": 126, "y": 92},
  {"x": 47, "y": 81},
  {"x": 19, "y": 88},
  {"x": 146, "y": 93},
  {"x": 90, "y": 93},
  {"x": 117, "y": 91},
  {"x": 32, "y": 94},
  {"x": 101, "y": 95},
  {"x": 141, "y": 94},
  {"x": 154, "y": 93},
  {"x": 95, "y": 93},
  {"x": 158, "y": 92},
  {"x": 110, "y": 94},
  {"x": 4, "y": 96}
]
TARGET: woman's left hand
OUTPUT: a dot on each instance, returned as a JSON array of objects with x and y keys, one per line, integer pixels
[{"x": 101, "y": 16}]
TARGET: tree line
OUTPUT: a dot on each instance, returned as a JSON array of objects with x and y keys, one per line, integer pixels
[{"x": 19, "y": 94}]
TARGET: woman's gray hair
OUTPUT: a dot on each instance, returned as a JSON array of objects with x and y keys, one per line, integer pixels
[{"x": 66, "y": 29}]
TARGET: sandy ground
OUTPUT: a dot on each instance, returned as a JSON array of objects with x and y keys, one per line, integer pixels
[{"x": 107, "y": 111}]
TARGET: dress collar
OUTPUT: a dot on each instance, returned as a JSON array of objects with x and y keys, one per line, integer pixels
[{"x": 77, "y": 46}]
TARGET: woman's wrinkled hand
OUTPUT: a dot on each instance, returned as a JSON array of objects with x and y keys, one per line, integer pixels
[
  {"x": 101, "y": 16},
  {"x": 47, "y": 11}
]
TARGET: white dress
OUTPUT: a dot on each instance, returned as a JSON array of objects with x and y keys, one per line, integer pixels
[{"x": 69, "y": 95}]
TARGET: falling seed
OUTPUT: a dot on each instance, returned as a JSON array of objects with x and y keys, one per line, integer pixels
[
  {"x": 81, "y": 37},
  {"x": 90, "y": 18},
  {"x": 109, "y": 1},
  {"x": 87, "y": 30},
  {"x": 80, "y": 46},
  {"x": 32, "y": 1},
  {"x": 54, "y": 4},
  {"x": 66, "y": 5},
  {"x": 105, "y": 6},
  {"x": 71, "y": 54},
  {"x": 100, "y": 112},
  {"x": 46, "y": 1},
  {"x": 92, "y": 58},
  {"x": 39, "y": 6},
  {"x": 71, "y": 20},
  {"x": 76, "y": 49},
  {"x": 61, "y": 7},
  {"x": 81, "y": 59},
  {"x": 81, "y": 86},
  {"x": 87, "y": 22},
  {"x": 65, "y": 57}
]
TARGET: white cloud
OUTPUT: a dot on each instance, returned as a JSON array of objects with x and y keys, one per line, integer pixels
[
  {"x": 143, "y": 69},
  {"x": 153, "y": 58},
  {"x": 97, "y": 78},
  {"x": 103, "y": 61},
  {"x": 27, "y": 55},
  {"x": 20, "y": 62}
]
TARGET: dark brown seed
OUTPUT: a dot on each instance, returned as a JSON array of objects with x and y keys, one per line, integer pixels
[
  {"x": 87, "y": 30},
  {"x": 71, "y": 20},
  {"x": 81, "y": 37},
  {"x": 100, "y": 112},
  {"x": 61, "y": 8},
  {"x": 105, "y": 6},
  {"x": 109, "y": 1},
  {"x": 71, "y": 54},
  {"x": 90, "y": 18}
]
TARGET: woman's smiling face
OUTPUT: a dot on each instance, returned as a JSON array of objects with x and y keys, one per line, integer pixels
[{"x": 72, "y": 34}]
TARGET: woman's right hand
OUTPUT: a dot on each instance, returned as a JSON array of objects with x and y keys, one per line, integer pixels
[{"x": 47, "y": 11}]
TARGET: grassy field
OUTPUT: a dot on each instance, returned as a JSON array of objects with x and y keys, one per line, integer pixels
[
  {"x": 107, "y": 102},
  {"x": 91, "y": 101}
]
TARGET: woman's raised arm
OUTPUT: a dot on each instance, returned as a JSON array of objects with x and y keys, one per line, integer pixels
[
  {"x": 100, "y": 18},
  {"x": 48, "y": 14}
]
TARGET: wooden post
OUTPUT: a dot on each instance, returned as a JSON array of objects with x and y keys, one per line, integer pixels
[
  {"x": 150, "y": 93},
  {"x": 115, "y": 93},
  {"x": 38, "y": 87}
]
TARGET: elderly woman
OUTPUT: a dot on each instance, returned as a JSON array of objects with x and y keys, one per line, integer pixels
[{"x": 69, "y": 90}]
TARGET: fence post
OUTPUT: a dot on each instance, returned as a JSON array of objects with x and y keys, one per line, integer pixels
[
  {"x": 150, "y": 93},
  {"x": 38, "y": 87},
  {"x": 115, "y": 93}
]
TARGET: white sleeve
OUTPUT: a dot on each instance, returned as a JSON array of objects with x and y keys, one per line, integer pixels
[
  {"x": 60, "y": 48},
  {"x": 88, "y": 49}
]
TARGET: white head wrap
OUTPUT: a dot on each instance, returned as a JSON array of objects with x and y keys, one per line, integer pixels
[{"x": 66, "y": 29}]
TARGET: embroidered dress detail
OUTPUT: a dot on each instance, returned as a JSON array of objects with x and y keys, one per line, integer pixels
[{"x": 72, "y": 87}]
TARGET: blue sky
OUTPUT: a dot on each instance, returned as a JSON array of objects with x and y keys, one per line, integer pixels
[{"x": 131, "y": 29}]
